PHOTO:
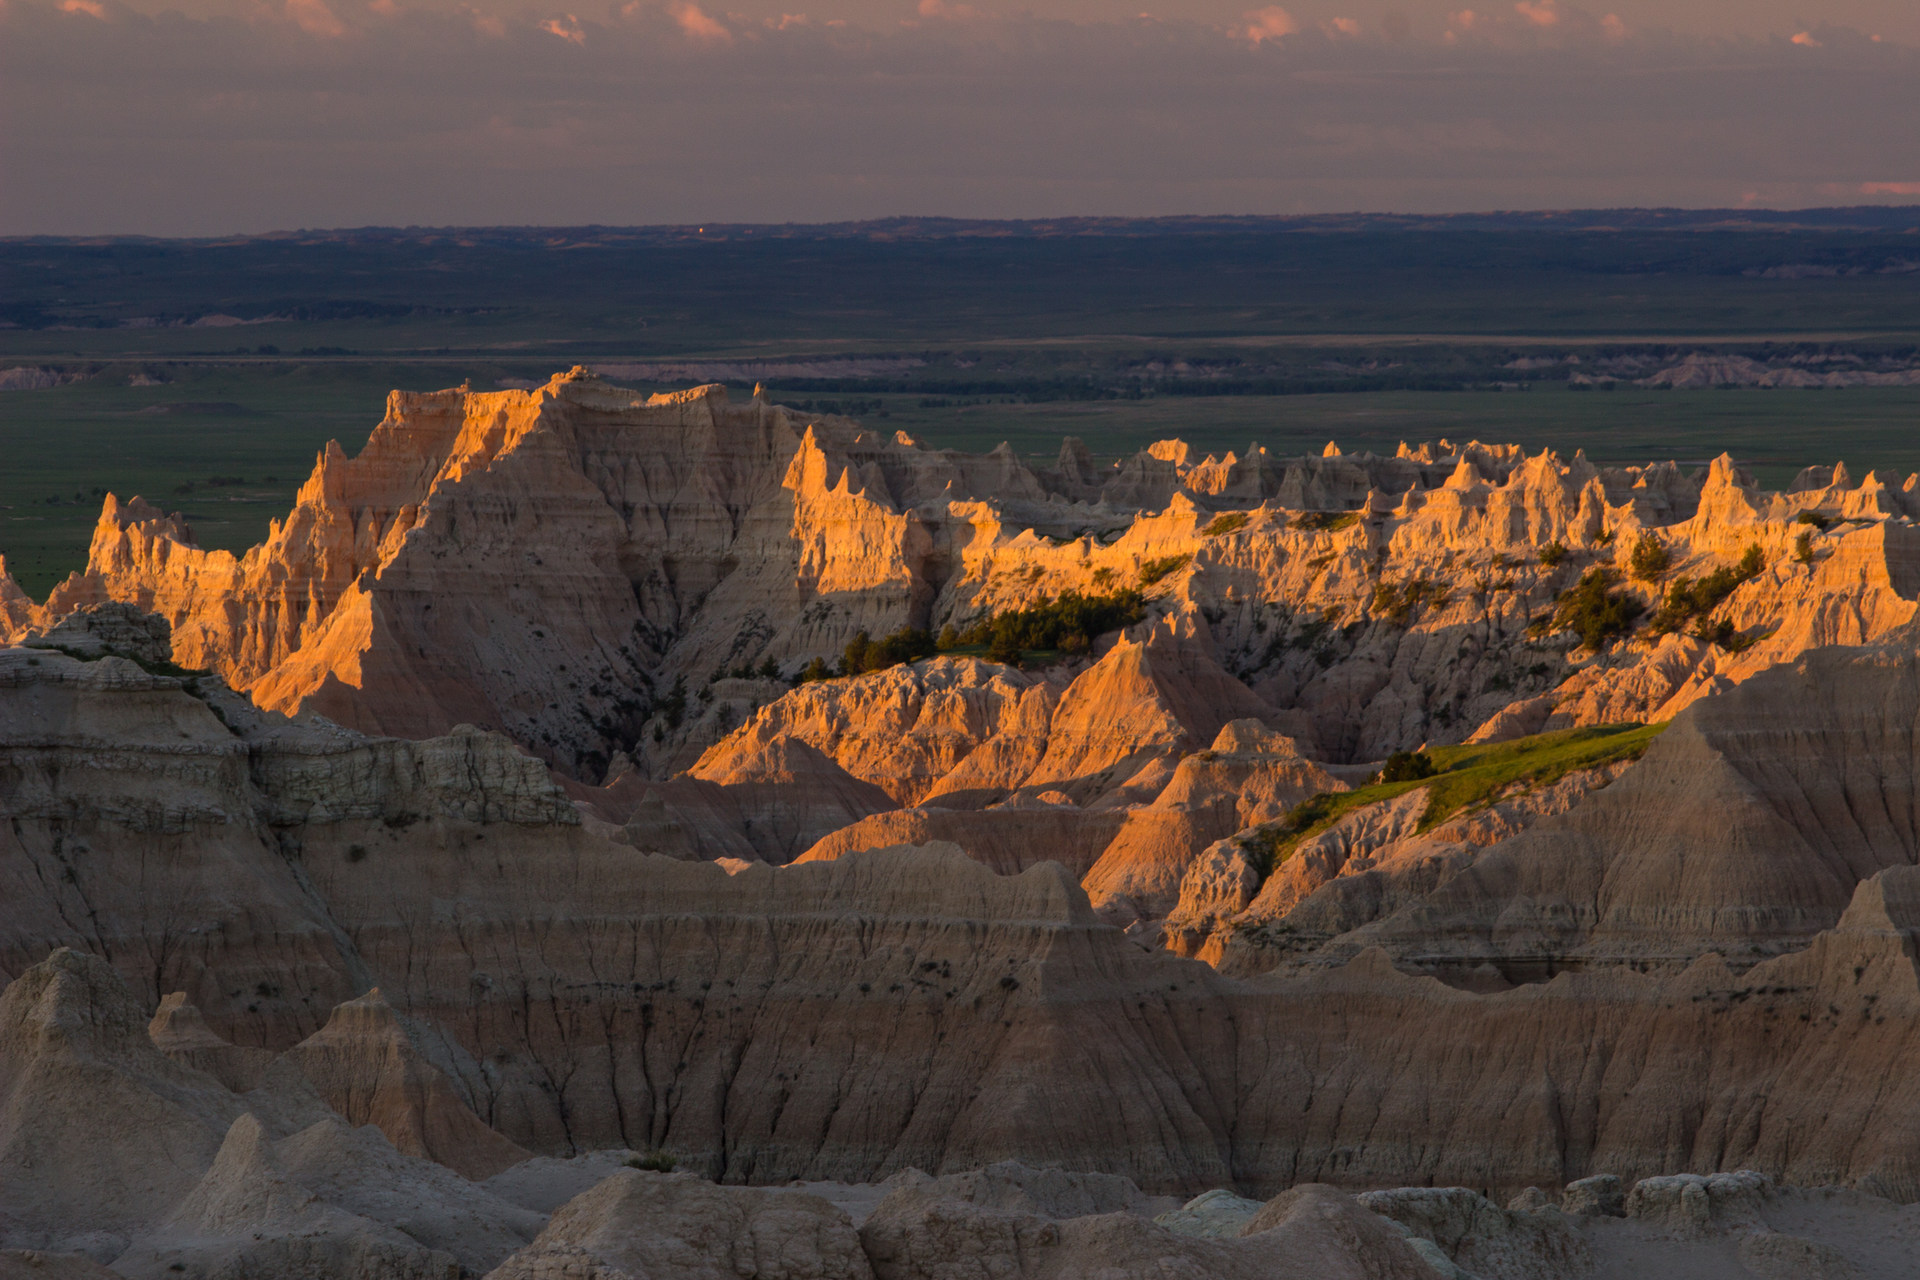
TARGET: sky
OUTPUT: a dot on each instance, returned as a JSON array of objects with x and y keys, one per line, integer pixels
[{"x": 213, "y": 117}]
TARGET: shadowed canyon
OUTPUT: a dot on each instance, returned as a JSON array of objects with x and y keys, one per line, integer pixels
[{"x": 609, "y": 835}]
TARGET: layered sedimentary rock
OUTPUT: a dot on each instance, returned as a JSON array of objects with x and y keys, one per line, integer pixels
[
  {"x": 618, "y": 583},
  {"x": 366, "y": 1067},
  {"x": 910, "y": 1007},
  {"x": 573, "y": 564},
  {"x": 1697, "y": 962},
  {"x": 1745, "y": 829}
]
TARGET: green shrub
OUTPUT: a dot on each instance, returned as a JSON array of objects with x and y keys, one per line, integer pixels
[
  {"x": 1723, "y": 634},
  {"x": 1803, "y": 547},
  {"x": 1407, "y": 766},
  {"x": 1688, "y": 599},
  {"x": 1396, "y": 602},
  {"x": 1650, "y": 558},
  {"x": 1552, "y": 554},
  {"x": 1067, "y": 624},
  {"x": 1151, "y": 571},
  {"x": 1225, "y": 522},
  {"x": 1326, "y": 521},
  {"x": 1813, "y": 518},
  {"x": 1595, "y": 612},
  {"x": 655, "y": 1161},
  {"x": 864, "y": 654},
  {"x": 674, "y": 706}
]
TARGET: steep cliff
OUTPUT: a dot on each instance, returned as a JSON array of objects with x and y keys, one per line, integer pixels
[{"x": 577, "y": 566}]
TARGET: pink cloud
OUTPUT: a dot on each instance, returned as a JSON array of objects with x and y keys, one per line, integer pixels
[
  {"x": 1542, "y": 14},
  {"x": 1465, "y": 19},
  {"x": 315, "y": 18},
  {"x": 1348, "y": 27},
  {"x": 92, "y": 8},
  {"x": 1806, "y": 41},
  {"x": 1890, "y": 188},
  {"x": 696, "y": 24},
  {"x": 490, "y": 25},
  {"x": 1271, "y": 23},
  {"x": 950, "y": 12},
  {"x": 1613, "y": 28},
  {"x": 568, "y": 30}
]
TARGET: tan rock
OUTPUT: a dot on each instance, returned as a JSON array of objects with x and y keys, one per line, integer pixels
[
  {"x": 365, "y": 1065},
  {"x": 99, "y": 1132},
  {"x": 246, "y": 1217},
  {"x": 648, "y": 1224}
]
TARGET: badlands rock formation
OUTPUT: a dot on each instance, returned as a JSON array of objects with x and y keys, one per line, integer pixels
[
  {"x": 269, "y": 1197},
  {"x": 618, "y": 584},
  {"x": 847, "y": 1018},
  {"x": 369, "y": 900},
  {"x": 550, "y": 562}
]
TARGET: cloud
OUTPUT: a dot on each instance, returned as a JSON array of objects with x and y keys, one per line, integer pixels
[
  {"x": 695, "y": 24},
  {"x": 1541, "y": 14},
  {"x": 188, "y": 126},
  {"x": 568, "y": 30},
  {"x": 1612, "y": 27},
  {"x": 1805, "y": 40},
  {"x": 92, "y": 8},
  {"x": 1271, "y": 23},
  {"x": 940, "y": 10},
  {"x": 1465, "y": 19},
  {"x": 1341, "y": 27},
  {"x": 315, "y": 18}
]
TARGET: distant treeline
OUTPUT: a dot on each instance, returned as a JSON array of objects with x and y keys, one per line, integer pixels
[{"x": 1039, "y": 390}]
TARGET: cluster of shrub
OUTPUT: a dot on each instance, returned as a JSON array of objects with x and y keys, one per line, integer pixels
[
  {"x": 1688, "y": 598},
  {"x": 1595, "y": 612},
  {"x": 1066, "y": 624},
  {"x": 768, "y": 670},
  {"x": 1396, "y": 601}
]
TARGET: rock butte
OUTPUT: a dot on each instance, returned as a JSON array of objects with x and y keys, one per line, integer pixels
[{"x": 438, "y": 814}]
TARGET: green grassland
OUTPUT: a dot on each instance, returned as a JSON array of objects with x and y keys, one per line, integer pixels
[
  {"x": 62, "y": 447},
  {"x": 1364, "y": 331},
  {"x": 1776, "y": 433},
  {"x": 589, "y": 291},
  {"x": 1467, "y": 778}
]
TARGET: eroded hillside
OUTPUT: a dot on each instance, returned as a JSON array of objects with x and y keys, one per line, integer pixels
[
  {"x": 630, "y": 587},
  {"x": 1457, "y": 817}
]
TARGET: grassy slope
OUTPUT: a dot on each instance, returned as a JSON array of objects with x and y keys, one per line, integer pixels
[
  {"x": 1470, "y": 777},
  {"x": 1036, "y": 313}
]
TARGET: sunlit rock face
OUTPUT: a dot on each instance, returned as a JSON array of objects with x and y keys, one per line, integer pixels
[
  {"x": 1696, "y": 956},
  {"x": 624, "y": 587},
  {"x": 572, "y": 565}
]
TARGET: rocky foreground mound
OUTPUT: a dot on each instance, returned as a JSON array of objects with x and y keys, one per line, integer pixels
[{"x": 120, "y": 1158}]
